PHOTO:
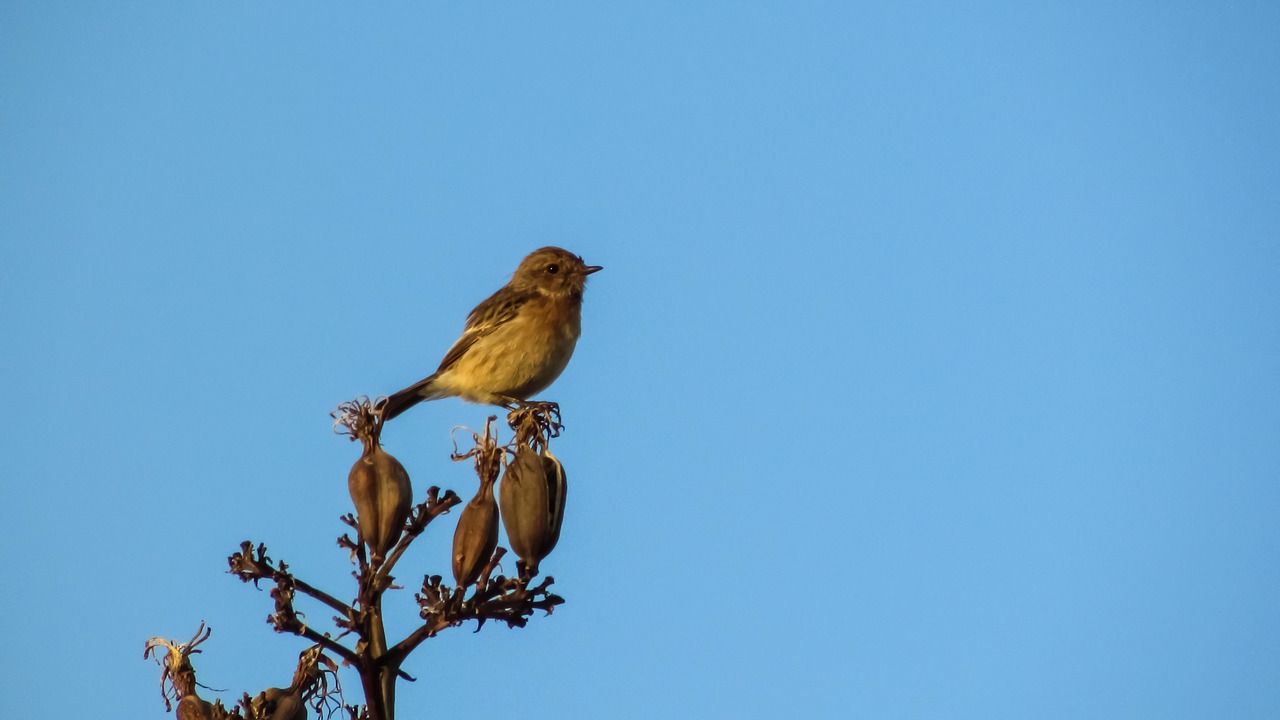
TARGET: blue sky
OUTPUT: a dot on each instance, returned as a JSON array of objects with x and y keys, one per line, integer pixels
[{"x": 934, "y": 370}]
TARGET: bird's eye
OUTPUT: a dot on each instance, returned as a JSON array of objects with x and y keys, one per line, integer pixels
[{"x": 553, "y": 269}]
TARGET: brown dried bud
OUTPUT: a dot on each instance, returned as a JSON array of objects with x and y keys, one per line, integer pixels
[
  {"x": 191, "y": 707},
  {"x": 532, "y": 499},
  {"x": 476, "y": 536},
  {"x": 280, "y": 704},
  {"x": 382, "y": 495}
]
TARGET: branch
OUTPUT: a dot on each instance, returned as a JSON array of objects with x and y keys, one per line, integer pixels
[
  {"x": 252, "y": 565},
  {"x": 292, "y": 624},
  {"x": 322, "y": 596},
  {"x": 421, "y": 516},
  {"x": 508, "y": 600}
]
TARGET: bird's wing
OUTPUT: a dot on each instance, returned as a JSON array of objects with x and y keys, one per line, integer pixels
[{"x": 499, "y": 309}]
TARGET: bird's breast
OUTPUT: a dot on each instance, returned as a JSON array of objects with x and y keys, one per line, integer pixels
[{"x": 527, "y": 353}]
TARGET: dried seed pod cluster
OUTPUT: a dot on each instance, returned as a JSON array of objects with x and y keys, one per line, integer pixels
[
  {"x": 531, "y": 496},
  {"x": 530, "y": 502}
]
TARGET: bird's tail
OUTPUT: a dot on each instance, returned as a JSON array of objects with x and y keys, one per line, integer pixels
[{"x": 400, "y": 401}]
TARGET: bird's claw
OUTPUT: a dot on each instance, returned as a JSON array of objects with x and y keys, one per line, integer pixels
[{"x": 534, "y": 420}]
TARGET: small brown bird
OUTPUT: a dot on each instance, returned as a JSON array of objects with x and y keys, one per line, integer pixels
[{"x": 516, "y": 343}]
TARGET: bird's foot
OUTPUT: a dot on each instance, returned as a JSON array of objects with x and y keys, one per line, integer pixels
[{"x": 534, "y": 420}]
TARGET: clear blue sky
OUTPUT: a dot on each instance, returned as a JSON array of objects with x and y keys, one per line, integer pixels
[{"x": 934, "y": 371}]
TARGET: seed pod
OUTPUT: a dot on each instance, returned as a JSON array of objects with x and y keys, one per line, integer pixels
[
  {"x": 280, "y": 704},
  {"x": 191, "y": 707},
  {"x": 476, "y": 536},
  {"x": 558, "y": 487},
  {"x": 532, "y": 498},
  {"x": 290, "y": 707},
  {"x": 382, "y": 495}
]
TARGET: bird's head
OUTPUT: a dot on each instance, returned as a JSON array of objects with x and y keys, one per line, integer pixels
[{"x": 553, "y": 270}]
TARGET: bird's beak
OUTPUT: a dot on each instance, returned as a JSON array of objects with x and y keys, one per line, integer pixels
[{"x": 590, "y": 269}]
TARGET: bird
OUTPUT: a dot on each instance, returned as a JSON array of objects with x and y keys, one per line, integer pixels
[{"x": 515, "y": 343}]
